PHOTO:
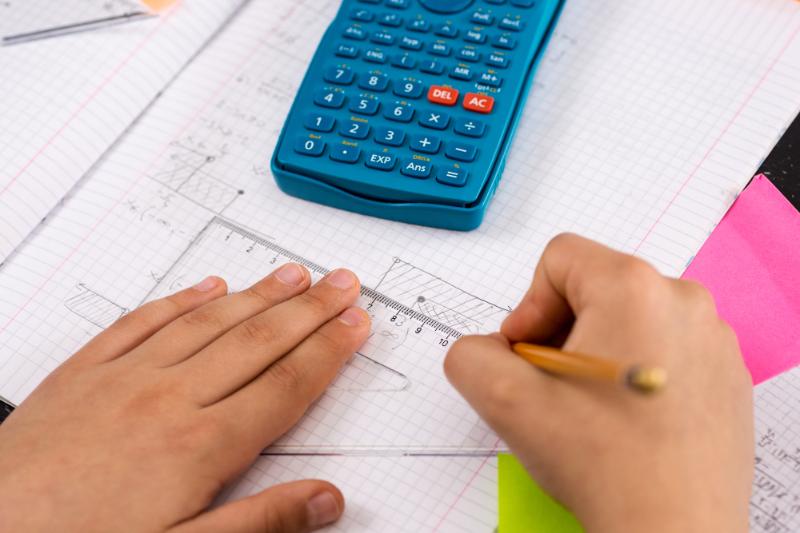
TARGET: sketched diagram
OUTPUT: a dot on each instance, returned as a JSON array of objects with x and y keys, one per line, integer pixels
[
  {"x": 94, "y": 307},
  {"x": 187, "y": 172},
  {"x": 442, "y": 301}
]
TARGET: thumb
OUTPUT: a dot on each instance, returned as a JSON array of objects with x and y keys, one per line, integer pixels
[{"x": 298, "y": 506}]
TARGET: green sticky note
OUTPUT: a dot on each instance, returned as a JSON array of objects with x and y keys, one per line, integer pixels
[{"x": 524, "y": 507}]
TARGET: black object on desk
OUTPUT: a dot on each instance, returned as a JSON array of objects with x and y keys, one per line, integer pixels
[
  {"x": 6, "y": 408},
  {"x": 782, "y": 166}
]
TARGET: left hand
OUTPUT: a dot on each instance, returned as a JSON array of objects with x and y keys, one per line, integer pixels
[{"x": 142, "y": 428}]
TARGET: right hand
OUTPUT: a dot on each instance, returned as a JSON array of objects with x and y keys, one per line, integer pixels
[{"x": 678, "y": 461}]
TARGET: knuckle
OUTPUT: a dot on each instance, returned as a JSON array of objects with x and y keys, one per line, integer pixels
[
  {"x": 316, "y": 300},
  {"x": 204, "y": 317},
  {"x": 257, "y": 332},
  {"x": 452, "y": 362},
  {"x": 561, "y": 243},
  {"x": 286, "y": 376},
  {"x": 259, "y": 294},
  {"x": 698, "y": 297}
]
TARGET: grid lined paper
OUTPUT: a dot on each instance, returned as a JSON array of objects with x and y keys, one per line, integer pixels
[{"x": 646, "y": 119}]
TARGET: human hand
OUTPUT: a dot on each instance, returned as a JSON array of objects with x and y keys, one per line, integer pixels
[
  {"x": 141, "y": 429},
  {"x": 678, "y": 461}
]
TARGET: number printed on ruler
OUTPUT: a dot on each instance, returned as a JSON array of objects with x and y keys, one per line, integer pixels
[{"x": 392, "y": 396}]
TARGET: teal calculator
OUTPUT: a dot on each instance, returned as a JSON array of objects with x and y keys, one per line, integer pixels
[{"x": 409, "y": 107}]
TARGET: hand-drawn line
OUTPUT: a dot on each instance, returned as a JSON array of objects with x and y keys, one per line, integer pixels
[{"x": 94, "y": 307}]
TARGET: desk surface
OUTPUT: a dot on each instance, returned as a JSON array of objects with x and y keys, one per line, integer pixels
[{"x": 783, "y": 164}]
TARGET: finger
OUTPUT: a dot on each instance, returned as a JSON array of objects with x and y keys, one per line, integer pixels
[
  {"x": 573, "y": 273},
  {"x": 195, "y": 330},
  {"x": 272, "y": 403},
  {"x": 249, "y": 348},
  {"x": 292, "y": 507},
  {"x": 136, "y": 327},
  {"x": 504, "y": 389}
]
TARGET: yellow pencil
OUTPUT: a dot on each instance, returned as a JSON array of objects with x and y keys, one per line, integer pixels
[{"x": 645, "y": 380}]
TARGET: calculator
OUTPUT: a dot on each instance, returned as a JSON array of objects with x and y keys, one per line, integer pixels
[{"x": 409, "y": 107}]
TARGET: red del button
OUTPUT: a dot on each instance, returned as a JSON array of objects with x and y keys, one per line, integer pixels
[
  {"x": 480, "y": 103},
  {"x": 443, "y": 95}
]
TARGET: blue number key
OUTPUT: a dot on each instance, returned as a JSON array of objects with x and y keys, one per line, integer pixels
[
  {"x": 345, "y": 154},
  {"x": 380, "y": 161},
  {"x": 435, "y": 120},
  {"x": 365, "y": 105},
  {"x": 339, "y": 75},
  {"x": 390, "y": 136},
  {"x": 452, "y": 176},
  {"x": 425, "y": 144},
  {"x": 317, "y": 122},
  {"x": 329, "y": 98},
  {"x": 354, "y": 130},
  {"x": 310, "y": 147},
  {"x": 399, "y": 112},
  {"x": 414, "y": 168},
  {"x": 461, "y": 152},
  {"x": 375, "y": 81},
  {"x": 408, "y": 87}
]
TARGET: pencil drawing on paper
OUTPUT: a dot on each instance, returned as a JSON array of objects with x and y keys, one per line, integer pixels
[{"x": 94, "y": 307}]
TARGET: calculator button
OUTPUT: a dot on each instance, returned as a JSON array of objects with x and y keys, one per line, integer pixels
[
  {"x": 452, "y": 176},
  {"x": 425, "y": 144},
  {"x": 513, "y": 23},
  {"x": 443, "y": 95},
  {"x": 398, "y": 4},
  {"x": 419, "y": 25},
  {"x": 470, "y": 128},
  {"x": 365, "y": 106},
  {"x": 439, "y": 49},
  {"x": 330, "y": 99},
  {"x": 475, "y": 36},
  {"x": 499, "y": 2},
  {"x": 382, "y": 37},
  {"x": 490, "y": 79},
  {"x": 434, "y": 120},
  {"x": 408, "y": 88},
  {"x": 410, "y": 43},
  {"x": 346, "y": 50},
  {"x": 432, "y": 67},
  {"x": 361, "y": 15},
  {"x": 461, "y": 73},
  {"x": 505, "y": 41},
  {"x": 446, "y": 6},
  {"x": 375, "y": 81},
  {"x": 446, "y": 30},
  {"x": 497, "y": 60},
  {"x": 370, "y": 1},
  {"x": 414, "y": 168},
  {"x": 345, "y": 154},
  {"x": 469, "y": 54},
  {"x": 375, "y": 55},
  {"x": 399, "y": 112},
  {"x": 392, "y": 20},
  {"x": 480, "y": 103},
  {"x": 355, "y": 32},
  {"x": 523, "y": 3},
  {"x": 309, "y": 147},
  {"x": 322, "y": 123},
  {"x": 404, "y": 61},
  {"x": 461, "y": 152},
  {"x": 354, "y": 130},
  {"x": 380, "y": 161},
  {"x": 482, "y": 17},
  {"x": 390, "y": 136},
  {"x": 339, "y": 75}
]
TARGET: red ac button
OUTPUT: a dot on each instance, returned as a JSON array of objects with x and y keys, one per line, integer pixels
[{"x": 480, "y": 103}]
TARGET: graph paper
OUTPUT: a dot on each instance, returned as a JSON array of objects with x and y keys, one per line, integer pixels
[{"x": 645, "y": 121}]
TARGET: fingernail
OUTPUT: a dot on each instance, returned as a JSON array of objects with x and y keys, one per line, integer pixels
[
  {"x": 342, "y": 279},
  {"x": 290, "y": 274},
  {"x": 207, "y": 284},
  {"x": 352, "y": 317},
  {"x": 323, "y": 509}
]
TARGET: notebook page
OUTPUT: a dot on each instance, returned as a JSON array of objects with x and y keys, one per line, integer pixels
[
  {"x": 66, "y": 100},
  {"x": 618, "y": 133}
]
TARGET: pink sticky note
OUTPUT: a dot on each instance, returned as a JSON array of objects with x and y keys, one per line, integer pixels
[{"x": 751, "y": 264}]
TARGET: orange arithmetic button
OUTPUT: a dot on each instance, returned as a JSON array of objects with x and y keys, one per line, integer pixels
[
  {"x": 480, "y": 103},
  {"x": 443, "y": 95}
]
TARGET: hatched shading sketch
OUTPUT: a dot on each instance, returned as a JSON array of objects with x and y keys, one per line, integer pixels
[
  {"x": 94, "y": 307},
  {"x": 442, "y": 301}
]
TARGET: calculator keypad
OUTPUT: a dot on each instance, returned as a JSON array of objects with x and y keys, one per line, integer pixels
[{"x": 412, "y": 97}]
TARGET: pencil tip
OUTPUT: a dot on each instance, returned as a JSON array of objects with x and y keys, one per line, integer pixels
[{"x": 646, "y": 380}]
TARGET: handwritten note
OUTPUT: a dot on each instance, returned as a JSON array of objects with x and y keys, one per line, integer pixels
[{"x": 750, "y": 264}]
